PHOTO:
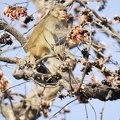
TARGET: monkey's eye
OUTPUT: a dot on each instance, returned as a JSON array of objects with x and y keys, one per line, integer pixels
[{"x": 62, "y": 10}]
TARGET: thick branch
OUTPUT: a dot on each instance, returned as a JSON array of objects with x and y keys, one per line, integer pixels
[
  {"x": 5, "y": 26},
  {"x": 8, "y": 60},
  {"x": 102, "y": 92}
]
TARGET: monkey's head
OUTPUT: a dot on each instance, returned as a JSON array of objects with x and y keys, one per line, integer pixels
[{"x": 59, "y": 11}]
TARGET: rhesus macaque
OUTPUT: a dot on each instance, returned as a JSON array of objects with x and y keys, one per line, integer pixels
[{"x": 47, "y": 33}]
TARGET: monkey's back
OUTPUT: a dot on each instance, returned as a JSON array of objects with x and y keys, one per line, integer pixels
[
  {"x": 44, "y": 36},
  {"x": 40, "y": 39}
]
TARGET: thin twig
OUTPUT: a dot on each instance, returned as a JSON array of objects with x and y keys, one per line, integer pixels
[
  {"x": 93, "y": 110},
  {"x": 103, "y": 107},
  {"x": 87, "y": 59},
  {"x": 62, "y": 108},
  {"x": 70, "y": 79},
  {"x": 86, "y": 111},
  {"x": 23, "y": 2}
]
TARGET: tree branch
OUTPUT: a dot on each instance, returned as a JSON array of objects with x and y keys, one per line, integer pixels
[{"x": 5, "y": 26}]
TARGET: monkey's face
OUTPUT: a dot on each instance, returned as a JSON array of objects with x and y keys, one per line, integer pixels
[
  {"x": 59, "y": 11},
  {"x": 62, "y": 13}
]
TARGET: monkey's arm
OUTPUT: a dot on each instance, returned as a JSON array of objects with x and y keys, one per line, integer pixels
[{"x": 36, "y": 32}]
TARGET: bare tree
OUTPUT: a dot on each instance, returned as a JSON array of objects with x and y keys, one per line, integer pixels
[{"x": 55, "y": 73}]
